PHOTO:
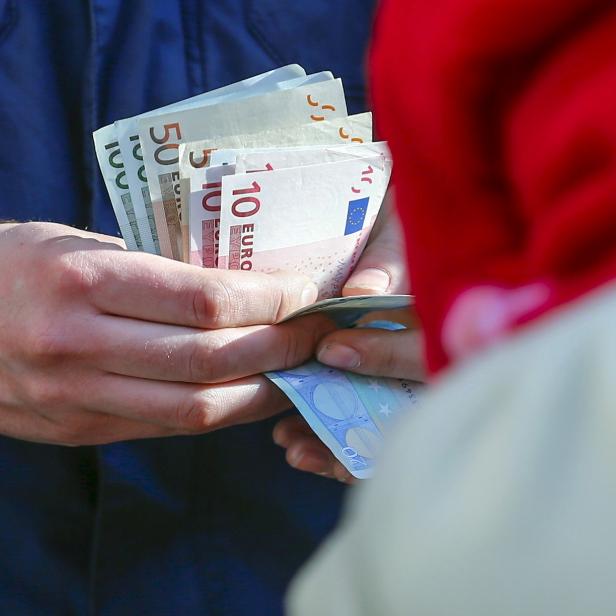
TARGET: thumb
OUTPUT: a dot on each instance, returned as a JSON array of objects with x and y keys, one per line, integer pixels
[
  {"x": 382, "y": 267},
  {"x": 375, "y": 352}
]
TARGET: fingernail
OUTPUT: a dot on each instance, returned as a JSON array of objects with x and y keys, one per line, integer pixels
[
  {"x": 339, "y": 356},
  {"x": 309, "y": 294},
  {"x": 294, "y": 457},
  {"x": 372, "y": 279}
]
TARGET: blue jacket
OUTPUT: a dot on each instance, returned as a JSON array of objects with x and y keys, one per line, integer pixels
[{"x": 198, "y": 525}]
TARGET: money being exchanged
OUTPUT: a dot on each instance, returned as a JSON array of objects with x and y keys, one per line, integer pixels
[{"x": 266, "y": 174}]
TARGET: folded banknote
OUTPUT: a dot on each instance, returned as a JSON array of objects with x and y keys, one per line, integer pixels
[
  {"x": 347, "y": 311},
  {"x": 349, "y": 412}
]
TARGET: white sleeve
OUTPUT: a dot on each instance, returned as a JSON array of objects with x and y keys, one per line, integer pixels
[{"x": 498, "y": 497}]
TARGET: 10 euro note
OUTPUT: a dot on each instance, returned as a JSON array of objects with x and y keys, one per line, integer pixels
[{"x": 314, "y": 219}]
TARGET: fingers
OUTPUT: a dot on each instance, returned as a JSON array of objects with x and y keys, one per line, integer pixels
[
  {"x": 306, "y": 452},
  {"x": 375, "y": 352},
  {"x": 152, "y": 288},
  {"x": 75, "y": 428},
  {"x": 172, "y": 353},
  {"x": 382, "y": 266},
  {"x": 184, "y": 408}
]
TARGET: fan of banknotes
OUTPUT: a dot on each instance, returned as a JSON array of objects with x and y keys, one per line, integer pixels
[{"x": 266, "y": 174}]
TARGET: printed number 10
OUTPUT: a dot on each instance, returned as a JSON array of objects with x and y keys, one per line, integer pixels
[{"x": 246, "y": 206}]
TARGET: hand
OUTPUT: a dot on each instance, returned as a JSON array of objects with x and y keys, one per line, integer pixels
[
  {"x": 98, "y": 344},
  {"x": 382, "y": 266},
  {"x": 373, "y": 352},
  {"x": 382, "y": 269}
]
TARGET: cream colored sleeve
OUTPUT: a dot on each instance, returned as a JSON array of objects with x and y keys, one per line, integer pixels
[{"x": 498, "y": 497}]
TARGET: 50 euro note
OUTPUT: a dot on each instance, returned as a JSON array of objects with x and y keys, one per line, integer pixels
[
  {"x": 314, "y": 219},
  {"x": 131, "y": 152},
  {"x": 350, "y": 413},
  {"x": 112, "y": 168},
  {"x": 201, "y": 185},
  {"x": 161, "y": 137}
]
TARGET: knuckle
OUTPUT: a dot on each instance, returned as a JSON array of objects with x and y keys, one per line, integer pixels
[
  {"x": 72, "y": 275},
  {"x": 196, "y": 415},
  {"x": 212, "y": 304},
  {"x": 206, "y": 358}
]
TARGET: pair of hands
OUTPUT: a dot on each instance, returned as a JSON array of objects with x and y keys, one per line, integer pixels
[
  {"x": 98, "y": 344},
  {"x": 373, "y": 352}
]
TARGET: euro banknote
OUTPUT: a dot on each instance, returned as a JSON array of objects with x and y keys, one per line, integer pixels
[
  {"x": 131, "y": 151},
  {"x": 250, "y": 161},
  {"x": 342, "y": 131},
  {"x": 347, "y": 311},
  {"x": 314, "y": 219},
  {"x": 349, "y": 412},
  {"x": 112, "y": 168},
  {"x": 161, "y": 136},
  {"x": 201, "y": 187}
]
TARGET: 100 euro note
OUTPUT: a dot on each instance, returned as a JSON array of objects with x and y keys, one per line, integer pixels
[
  {"x": 130, "y": 144},
  {"x": 350, "y": 413},
  {"x": 314, "y": 219},
  {"x": 161, "y": 136},
  {"x": 201, "y": 185},
  {"x": 112, "y": 168}
]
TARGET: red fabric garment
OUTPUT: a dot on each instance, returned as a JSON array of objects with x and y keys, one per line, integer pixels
[{"x": 501, "y": 116}]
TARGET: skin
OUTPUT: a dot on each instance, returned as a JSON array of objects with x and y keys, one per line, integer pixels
[
  {"x": 364, "y": 351},
  {"x": 98, "y": 344}
]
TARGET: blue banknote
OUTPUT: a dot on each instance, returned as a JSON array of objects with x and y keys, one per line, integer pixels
[{"x": 349, "y": 412}]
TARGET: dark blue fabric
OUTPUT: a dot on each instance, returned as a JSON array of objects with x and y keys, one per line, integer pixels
[{"x": 202, "y": 525}]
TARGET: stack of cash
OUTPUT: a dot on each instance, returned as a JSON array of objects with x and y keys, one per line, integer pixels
[{"x": 265, "y": 174}]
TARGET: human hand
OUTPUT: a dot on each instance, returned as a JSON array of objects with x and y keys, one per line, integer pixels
[
  {"x": 375, "y": 352},
  {"x": 98, "y": 344}
]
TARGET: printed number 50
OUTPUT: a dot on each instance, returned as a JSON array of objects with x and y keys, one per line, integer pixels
[{"x": 166, "y": 146}]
